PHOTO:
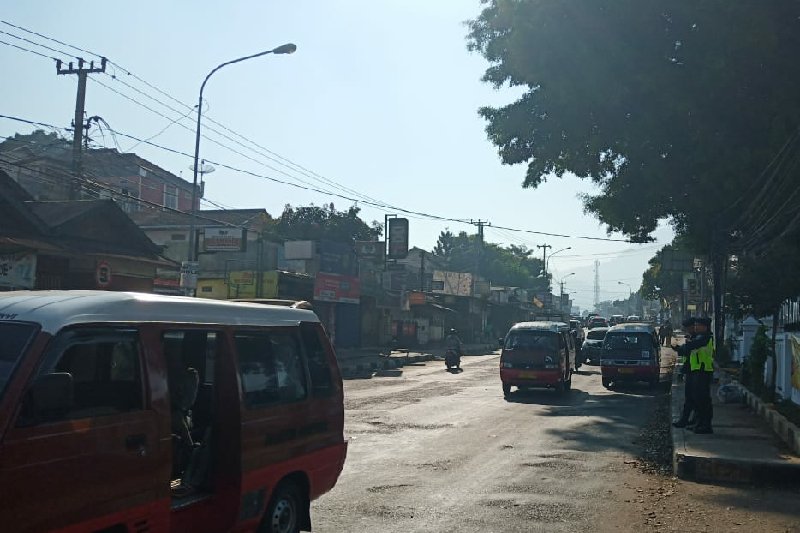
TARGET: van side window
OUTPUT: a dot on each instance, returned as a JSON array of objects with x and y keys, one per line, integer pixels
[
  {"x": 105, "y": 365},
  {"x": 318, "y": 367},
  {"x": 270, "y": 367}
]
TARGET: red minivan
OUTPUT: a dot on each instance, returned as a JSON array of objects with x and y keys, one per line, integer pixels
[
  {"x": 137, "y": 412},
  {"x": 537, "y": 354},
  {"x": 631, "y": 352}
]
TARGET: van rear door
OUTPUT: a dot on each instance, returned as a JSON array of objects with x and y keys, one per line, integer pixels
[{"x": 526, "y": 349}]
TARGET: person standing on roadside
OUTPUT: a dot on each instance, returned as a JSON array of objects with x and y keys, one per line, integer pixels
[
  {"x": 689, "y": 407},
  {"x": 701, "y": 363},
  {"x": 667, "y": 339}
]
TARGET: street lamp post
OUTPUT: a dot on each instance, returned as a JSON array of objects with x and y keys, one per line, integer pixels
[
  {"x": 283, "y": 49},
  {"x": 561, "y": 284},
  {"x": 630, "y": 294}
]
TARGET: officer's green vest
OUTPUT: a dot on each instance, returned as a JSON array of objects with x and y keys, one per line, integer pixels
[{"x": 702, "y": 358}]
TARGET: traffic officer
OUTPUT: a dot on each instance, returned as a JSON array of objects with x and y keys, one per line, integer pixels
[
  {"x": 683, "y": 350},
  {"x": 701, "y": 364}
]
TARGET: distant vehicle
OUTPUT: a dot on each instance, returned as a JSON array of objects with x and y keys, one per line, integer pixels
[
  {"x": 141, "y": 412},
  {"x": 633, "y": 318},
  {"x": 598, "y": 322},
  {"x": 593, "y": 345},
  {"x": 631, "y": 352},
  {"x": 576, "y": 329},
  {"x": 616, "y": 319},
  {"x": 537, "y": 354}
]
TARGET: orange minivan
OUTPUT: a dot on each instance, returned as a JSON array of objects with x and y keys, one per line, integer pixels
[
  {"x": 138, "y": 412},
  {"x": 537, "y": 354}
]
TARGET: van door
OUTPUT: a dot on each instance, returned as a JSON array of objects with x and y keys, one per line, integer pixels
[
  {"x": 275, "y": 411},
  {"x": 93, "y": 464},
  {"x": 205, "y": 425}
]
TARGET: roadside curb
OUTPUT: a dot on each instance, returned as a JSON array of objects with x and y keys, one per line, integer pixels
[
  {"x": 788, "y": 432},
  {"x": 692, "y": 466}
]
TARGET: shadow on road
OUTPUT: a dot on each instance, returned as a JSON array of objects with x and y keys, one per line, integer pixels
[
  {"x": 548, "y": 397},
  {"x": 455, "y": 370}
]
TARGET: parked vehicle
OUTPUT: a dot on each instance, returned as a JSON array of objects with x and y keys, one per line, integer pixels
[
  {"x": 631, "y": 352},
  {"x": 537, "y": 354},
  {"x": 593, "y": 345},
  {"x": 452, "y": 359},
  {"x": 134, "y": 412}
]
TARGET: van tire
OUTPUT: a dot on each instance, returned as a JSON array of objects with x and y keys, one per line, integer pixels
[
  {"x": 506, "y": 389},
  {"x": 284, "y": 510},
  {"x": 606, "y": 383}
]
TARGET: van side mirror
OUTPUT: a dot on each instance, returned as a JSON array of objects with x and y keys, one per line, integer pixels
[{"x": 50, "y": 397}]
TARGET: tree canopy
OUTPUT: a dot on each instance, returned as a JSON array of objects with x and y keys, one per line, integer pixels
[
  {"x": 512, "y": 266},
  {"x": 324, "y": 223},
  {"x": 673, "y": 109}
]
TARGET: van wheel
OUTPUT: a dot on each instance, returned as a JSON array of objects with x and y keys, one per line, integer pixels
[
  {"x": 283, "y": 511},
  {"x": 606, "y": 383},
  {"x": 568, "y": 384},
  {"x": 506, "y": 389}
]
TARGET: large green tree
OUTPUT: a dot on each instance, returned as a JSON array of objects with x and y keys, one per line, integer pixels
[
  {"x": 512, "y": 266},
  {"x": 324, "y": 223},
  {"x": 673, "y": 109}
]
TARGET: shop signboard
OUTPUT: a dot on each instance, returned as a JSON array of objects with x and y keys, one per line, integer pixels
[
  {"x": 224, "y": 239},
  {"x": 398, "y": 238},
  {"x": 375, "y": 250},
  {"x": 337, "y": 288},
  {"x": 18, "y": 270}
]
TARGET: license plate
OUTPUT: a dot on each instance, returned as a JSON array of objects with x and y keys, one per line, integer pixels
[
  {"x": 527, "y": 375},
  {"x": 625, "y": 371}
]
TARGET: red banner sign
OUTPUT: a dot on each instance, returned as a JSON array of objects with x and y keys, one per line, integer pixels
[{"x": 337, "y": 288}]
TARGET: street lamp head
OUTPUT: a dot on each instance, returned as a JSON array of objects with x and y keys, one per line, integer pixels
[{"x": 288, "y": 48}]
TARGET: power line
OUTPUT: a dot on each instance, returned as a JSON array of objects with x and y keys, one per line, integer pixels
[
  {"x": 314, "y": 189},
  {"x": 261, "y": 150}
]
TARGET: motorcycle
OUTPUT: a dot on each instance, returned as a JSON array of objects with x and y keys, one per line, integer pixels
[{"x": 452, "y": 359}]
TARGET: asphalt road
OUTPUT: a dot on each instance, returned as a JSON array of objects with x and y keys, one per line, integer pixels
[{"x": 435, "y": 451}]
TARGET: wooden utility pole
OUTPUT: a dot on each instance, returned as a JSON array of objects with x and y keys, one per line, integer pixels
[{"x": 80, "y": 101}]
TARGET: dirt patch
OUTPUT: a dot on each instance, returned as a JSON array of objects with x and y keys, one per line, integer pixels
[
  {"x": 380, "y": 489},
  {"x": 649, "y": 498},
  {"x": 385, "y": 428},
  {"x": 441, "y": 465},
  {"x": 535, "y": 511}
]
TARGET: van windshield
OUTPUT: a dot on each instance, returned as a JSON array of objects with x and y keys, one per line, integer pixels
[
  {"x": 14, "y": 338},
  {"x": 631, "y": 343},
  {"x": 531, "y": 340}
]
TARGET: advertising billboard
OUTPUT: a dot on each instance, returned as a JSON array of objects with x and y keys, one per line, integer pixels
[
  {"x": 18, "y": 270},
  {"x": 337, "y": 288},
  {"x": 398, "y": 238}
]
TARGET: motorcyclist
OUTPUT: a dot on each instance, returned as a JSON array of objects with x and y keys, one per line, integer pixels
[{"x": 453, "y": 342}]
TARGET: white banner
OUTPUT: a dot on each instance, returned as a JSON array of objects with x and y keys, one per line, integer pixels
[{"x": 18, "y": 270}]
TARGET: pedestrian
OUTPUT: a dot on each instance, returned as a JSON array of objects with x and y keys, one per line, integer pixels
[
  {"x": 687, "y": 377},
  {"x": 661, "y": 334},
  {"x": 668, "y": 333},
  {"x": 701, "y": 363}
]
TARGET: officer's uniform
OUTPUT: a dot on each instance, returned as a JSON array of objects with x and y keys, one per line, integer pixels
[
  {"x": 701, "y": 363},
  {"x": 689, "y": 406}
]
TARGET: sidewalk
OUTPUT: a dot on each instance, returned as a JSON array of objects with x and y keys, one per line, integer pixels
[
  {"x": 743, "y": 449},
  {"x": 363, "y": 362}
]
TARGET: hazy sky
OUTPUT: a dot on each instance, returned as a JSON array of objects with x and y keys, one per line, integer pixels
[{"x": 380, "y": 97}]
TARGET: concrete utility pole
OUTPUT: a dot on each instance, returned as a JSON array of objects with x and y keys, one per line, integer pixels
[{"x": 80, "y": 101}]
